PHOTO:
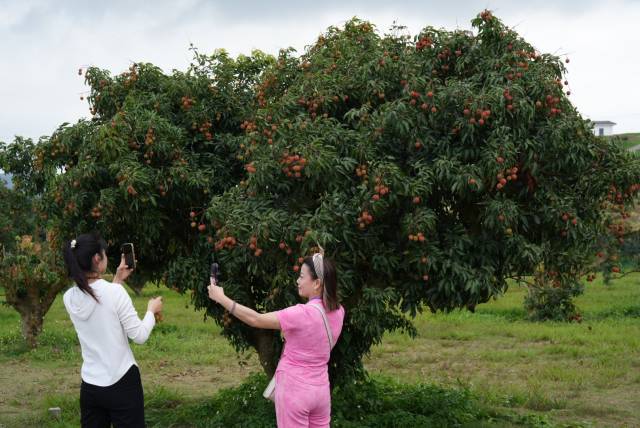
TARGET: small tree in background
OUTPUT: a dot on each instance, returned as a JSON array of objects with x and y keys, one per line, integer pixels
[
  {"x": 31, "y": 272},
  {"x": 32, "y": 275}
]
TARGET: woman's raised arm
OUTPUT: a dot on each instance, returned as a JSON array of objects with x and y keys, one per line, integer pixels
[{"x": 246, "y": 315}]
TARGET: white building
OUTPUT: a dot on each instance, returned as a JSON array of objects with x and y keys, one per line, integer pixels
[{"x": 603, "y": 127}]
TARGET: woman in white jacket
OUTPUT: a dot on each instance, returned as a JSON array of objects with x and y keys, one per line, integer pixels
[{"x": 104, "y": 317}]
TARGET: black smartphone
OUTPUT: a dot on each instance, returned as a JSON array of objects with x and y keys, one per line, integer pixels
[
  {"x": 129, "y": 255},
  {"x": 215, "y": 271}
]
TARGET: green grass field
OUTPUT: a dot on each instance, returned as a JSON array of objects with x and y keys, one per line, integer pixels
[{"x": 584, "y": 374}]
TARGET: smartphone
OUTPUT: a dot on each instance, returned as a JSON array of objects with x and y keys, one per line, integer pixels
[
  {"x": 215, "y": 271},
  {"x": 129, "y": 255}
]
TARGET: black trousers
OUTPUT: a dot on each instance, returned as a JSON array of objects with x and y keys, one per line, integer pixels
[{"x": 121, "y": 404}]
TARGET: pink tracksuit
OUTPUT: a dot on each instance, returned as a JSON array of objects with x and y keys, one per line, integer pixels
[{"x": 302, "y": 392}]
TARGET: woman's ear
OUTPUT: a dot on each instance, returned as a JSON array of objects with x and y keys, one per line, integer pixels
[{"x": 96, "y": 259}]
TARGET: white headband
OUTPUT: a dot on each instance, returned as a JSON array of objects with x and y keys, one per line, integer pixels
[{"x": 318, "y": 265}]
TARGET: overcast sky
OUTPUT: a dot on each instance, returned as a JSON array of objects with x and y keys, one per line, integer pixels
[{"x": 43, "y": 43}]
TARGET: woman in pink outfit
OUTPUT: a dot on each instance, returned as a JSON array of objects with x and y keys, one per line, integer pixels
[{"x": 302, "y": 393}]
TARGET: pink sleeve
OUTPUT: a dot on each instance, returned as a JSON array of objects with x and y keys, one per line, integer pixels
[{"x": 289, "y": 317}]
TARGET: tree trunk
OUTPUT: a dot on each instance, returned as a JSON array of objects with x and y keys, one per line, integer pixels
[
  {"x": 265, "y": 344},
  {"x": 32, "y": 320},
  {"x": 136, "y": 288},
  {"x": 136, "y": 285},
  {"x": 32, "y": 308}
]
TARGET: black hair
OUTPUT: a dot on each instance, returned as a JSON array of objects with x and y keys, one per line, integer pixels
[
  {"x": 329, "y": 282},
  {"x": 78, "y": 256}
]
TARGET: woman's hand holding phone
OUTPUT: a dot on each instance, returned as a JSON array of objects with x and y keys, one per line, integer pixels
[
  {"x": 122, "y": 272},
  {"x": 216, "y": 293}
]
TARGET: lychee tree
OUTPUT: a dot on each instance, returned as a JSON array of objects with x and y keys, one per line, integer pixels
[
  {"x": 31, "y": 273},
  {"x": 618, "y": 254},
  {"x": 145, "y": 165},
  {"x": 432, "y": 169}
]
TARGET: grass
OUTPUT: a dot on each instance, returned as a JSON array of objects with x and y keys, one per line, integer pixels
[
  {"x": 557, "y": 368},
  {"x": 584, "y": 374}
]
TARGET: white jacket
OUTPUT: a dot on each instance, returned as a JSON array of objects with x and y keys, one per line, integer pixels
[{"x": 103, "y": 328}]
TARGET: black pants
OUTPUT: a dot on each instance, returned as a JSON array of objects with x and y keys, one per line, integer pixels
[{"x": 121, "y": 404}]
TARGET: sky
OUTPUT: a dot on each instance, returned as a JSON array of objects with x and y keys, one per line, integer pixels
[{"x": 43, "y": 43}]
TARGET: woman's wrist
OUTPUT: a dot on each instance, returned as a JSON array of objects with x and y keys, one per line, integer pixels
[
  {"x": 228, "y": 304},
  {"x": 117, "y": 278}
]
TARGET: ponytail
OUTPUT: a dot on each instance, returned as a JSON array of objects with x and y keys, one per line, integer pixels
[
  {"x": 78, "y": 254},
  {"x": 330, "y": 286}
]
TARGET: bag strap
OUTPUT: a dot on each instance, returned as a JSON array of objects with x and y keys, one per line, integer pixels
[{"x": 326, "y": 325}]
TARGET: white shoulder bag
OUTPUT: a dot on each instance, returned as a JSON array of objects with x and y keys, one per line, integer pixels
[{"x": 270, "y": 391}]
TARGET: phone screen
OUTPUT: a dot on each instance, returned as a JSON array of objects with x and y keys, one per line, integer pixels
[
  {"x": 129, "y": 255},
  {"x": 215, "y": 270}
]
